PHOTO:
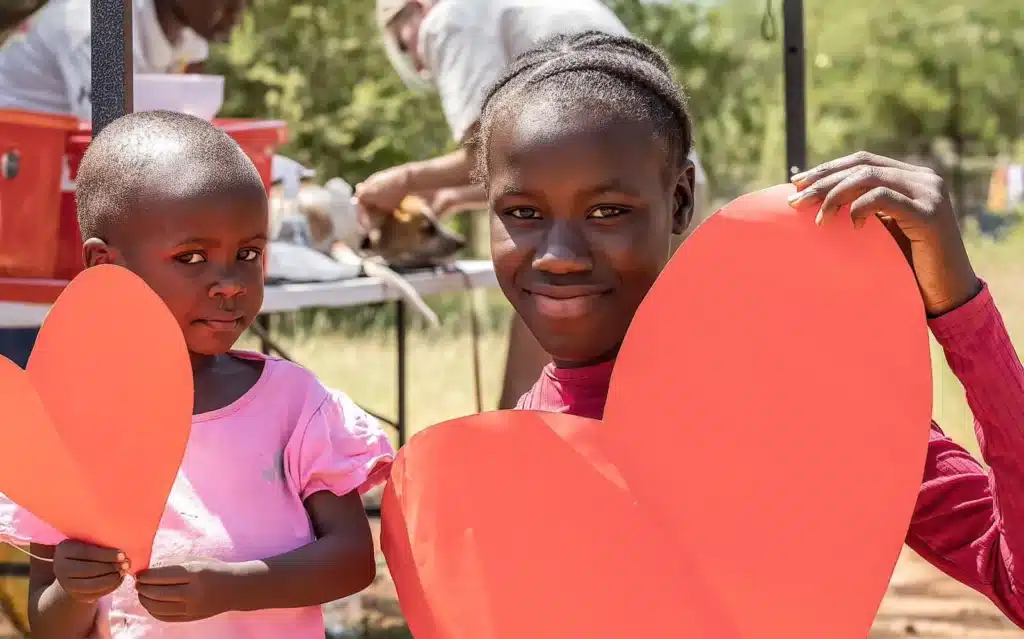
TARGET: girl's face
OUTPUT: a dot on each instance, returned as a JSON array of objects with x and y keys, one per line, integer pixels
[
  {"x": 203, "y": 258},
  {"x": 583, "y": 207}
]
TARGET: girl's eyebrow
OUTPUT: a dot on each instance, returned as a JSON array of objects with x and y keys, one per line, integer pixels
[{"x": 608, "y": 186}]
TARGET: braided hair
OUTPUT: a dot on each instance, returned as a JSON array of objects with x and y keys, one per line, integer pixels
[{"x": 618, "y": 75}]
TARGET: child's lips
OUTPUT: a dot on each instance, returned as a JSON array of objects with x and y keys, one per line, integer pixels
[
  {"x": 569, "y": 302},
  {"x": 222, "y": 324}
]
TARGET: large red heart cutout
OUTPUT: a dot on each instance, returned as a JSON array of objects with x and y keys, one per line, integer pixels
[
  {"x": 112, "y": 370},
  {"x": 754, "y": 475}
]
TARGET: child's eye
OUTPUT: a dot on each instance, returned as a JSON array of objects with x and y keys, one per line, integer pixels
[
  {"x": 605, "y": 212},
  {"x": 249, "y": 255},
  {"x": 522, "y": 213},
  {"x": 191, "y": 258}
]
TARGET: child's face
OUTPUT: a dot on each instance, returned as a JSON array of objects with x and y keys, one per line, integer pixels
[
  {"x": 583, "y": 209},
  {"x": 203, "y": 258}
]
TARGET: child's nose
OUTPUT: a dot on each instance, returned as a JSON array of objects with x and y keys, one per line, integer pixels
[
  {"x": 563, "y": 251},
  {"x": 227, "y": 286}
]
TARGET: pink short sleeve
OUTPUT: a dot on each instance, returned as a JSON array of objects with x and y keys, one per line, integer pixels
[
  {"x": 19, "y": 527},
  {"x": 340, "y": 449}
]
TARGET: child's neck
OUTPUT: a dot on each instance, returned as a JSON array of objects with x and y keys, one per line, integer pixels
[
  {"x": 220, "y": 380},
  {"x": 594, "y": 361}
]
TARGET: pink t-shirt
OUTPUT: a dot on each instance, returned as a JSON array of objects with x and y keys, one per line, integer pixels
[{"x": 238, "y": 496}]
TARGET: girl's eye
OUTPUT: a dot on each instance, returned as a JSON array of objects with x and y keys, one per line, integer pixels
[
  {"x": 605, "y": 212},
  {"x": 249, "y": 255},
  {"x": 522, "y": 213},
  {"x": 191, "y": 258}
]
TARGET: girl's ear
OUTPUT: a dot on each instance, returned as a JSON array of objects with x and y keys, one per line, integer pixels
[
  {"x": 682, "y": 213},
  {"x": 95, "y": 252}
]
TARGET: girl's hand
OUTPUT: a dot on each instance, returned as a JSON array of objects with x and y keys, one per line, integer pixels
[
  {"x": 86, "y": 572},
  {"x": 194, "y": 590},
  {"x": 913, "y": 204}
]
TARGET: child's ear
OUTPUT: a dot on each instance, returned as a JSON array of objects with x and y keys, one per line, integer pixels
[
  {"x": 95, "y": 252},
  {"x": 682, "y": 213}
]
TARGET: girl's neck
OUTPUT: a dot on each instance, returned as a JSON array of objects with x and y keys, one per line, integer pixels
[{"x": 600, "y": 359}]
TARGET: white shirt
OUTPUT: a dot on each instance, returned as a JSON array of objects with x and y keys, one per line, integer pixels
[
  {"x": 46, "y": 65},
  {"x": 467, "y": 44}
]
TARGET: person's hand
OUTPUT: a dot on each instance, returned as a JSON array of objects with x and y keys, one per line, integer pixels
[
  {"x": 458, "y": 199},
  {"x": 913, "y": 204},
  {"x": 88, "y": 573},
  {"x": 191, "y": 591},
  {"x": 383, "y": 192}
]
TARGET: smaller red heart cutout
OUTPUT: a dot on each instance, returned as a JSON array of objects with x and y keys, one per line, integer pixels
[
  {"x": 756, "y": 468},
  {"x": 30, "y": 449},
  {"x": 111, "y": 367}
]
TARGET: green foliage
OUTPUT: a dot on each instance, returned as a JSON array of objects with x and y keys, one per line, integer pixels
[{"x": 880, "y": 76}]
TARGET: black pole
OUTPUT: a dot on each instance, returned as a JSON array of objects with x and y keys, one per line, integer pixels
[
  {"x": 794, "y": 60},
  {"x": 111, "y": 91}
]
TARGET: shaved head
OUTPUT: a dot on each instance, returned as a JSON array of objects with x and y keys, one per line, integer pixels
[{"x": 158, "y": 156}]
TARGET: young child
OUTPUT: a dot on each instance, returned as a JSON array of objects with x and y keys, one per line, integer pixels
[
  {"x": 265, "y": 521},
  {"x": 584, "y": 146}
]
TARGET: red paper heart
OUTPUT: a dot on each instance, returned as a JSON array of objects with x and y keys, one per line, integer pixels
[
  {"x": 768, "y": 418},
  {"x": 112, "y": 369}
]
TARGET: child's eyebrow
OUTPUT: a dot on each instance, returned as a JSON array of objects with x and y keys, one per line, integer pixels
[
  {"x": 614, "y": 184},
  {"x": 209, "y": 241}
]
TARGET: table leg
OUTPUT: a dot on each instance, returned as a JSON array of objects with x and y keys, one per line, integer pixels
[{"x": 400, "y": 328}]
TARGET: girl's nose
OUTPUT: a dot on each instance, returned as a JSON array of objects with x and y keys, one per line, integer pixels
[
  {"x": 563, "y": 251},
  {"x": 227, "y": 286}
]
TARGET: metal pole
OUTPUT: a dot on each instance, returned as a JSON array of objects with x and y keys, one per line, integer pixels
[
  {"x": 112, "y": 72},
  {"x": 794, "y": 60}
]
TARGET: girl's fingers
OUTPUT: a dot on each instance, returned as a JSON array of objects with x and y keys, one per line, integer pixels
[
  {"x": 881, "y": 200},
  {"x": 861, "y": 181},
  {"x": 85, "y": 552},
  {"x": 76, "y": 569},
  {"x": 861, "y": 158},
  {"x": 162, "y": 610},
  {"x": 97, "y": 585},
  {"x": 162, "y": 593}
]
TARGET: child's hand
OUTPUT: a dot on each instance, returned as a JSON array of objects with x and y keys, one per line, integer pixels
[
  {"x": 86, "y": 572},
  {"x": 913, "y": 204},
  {"x": 189, "y": 592}
]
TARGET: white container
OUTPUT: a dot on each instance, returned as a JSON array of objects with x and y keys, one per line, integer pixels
[{"x": 198, "y": 95}]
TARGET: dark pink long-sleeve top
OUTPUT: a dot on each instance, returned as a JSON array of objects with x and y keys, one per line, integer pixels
[{"x": 969, "y": 523}]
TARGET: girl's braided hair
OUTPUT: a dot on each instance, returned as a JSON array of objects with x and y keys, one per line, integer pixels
[{"x": 619, "y": 75}]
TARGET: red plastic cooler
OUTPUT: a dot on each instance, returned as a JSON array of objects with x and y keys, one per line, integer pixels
[{"x": 40, "y": 245}]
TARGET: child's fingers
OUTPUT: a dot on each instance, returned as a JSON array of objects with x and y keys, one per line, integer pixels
[
  {"x": 163, "y": 576},
  {"x": 175, "y": 592},
  {"x": 861, "y": 158},
  {"x": 881, "y": 200},
  {"x": 162, "y": 610},
  {"x": 78, "y": 569},
  {"x": 87, "y": 552},
  {"x": 863, "y": 180},
  {"x": 96, "y": 586}
]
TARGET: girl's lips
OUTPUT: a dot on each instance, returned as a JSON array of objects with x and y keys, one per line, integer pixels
[
  {"x": 222, "y": 325},
  {"x": 566, "y": 308}
]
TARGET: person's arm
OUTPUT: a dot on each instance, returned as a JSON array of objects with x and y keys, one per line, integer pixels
[
  {"x": 51, "y": 611},
  {"x": 56, "y": 611},
  {"x": 458, "y": 199},
  {"x": 339, "y": 563},
  {"x": 446, "y": 171},
  {"x": 968, "y": 522}
]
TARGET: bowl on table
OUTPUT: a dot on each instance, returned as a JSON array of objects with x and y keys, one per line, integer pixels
[{"x": 195, "y": 94}]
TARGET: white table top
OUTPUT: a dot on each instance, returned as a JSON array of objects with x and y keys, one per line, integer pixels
[{"x": 292, "y": 297}]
